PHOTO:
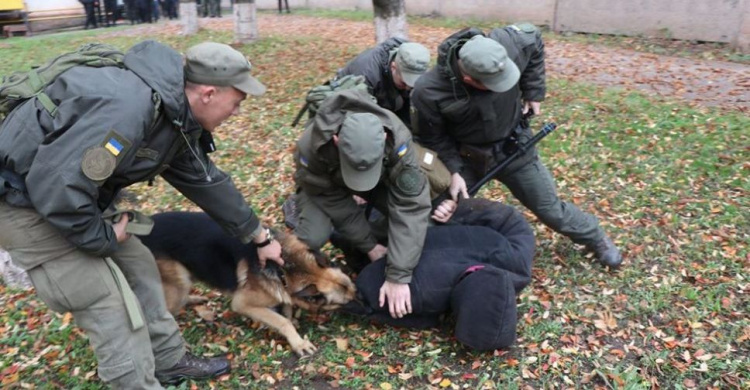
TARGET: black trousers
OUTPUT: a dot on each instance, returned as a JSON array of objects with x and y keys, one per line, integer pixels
[{"x": 90, "y": 15}]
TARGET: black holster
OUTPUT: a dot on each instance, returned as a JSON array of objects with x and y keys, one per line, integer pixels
[{"x": 481, "y": 158}]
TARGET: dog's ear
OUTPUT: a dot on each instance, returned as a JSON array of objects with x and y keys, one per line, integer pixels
[
  {"x": 321, "y": 259},
  {"x": 309, "y": 291}
]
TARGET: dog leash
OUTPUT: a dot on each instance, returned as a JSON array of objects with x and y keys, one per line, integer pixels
[
  {"x": 131, "y": 301},
  {"x": 139, "y": 225}
]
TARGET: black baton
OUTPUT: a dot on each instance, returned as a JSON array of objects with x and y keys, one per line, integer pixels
[{"x": 522, "y": 149}]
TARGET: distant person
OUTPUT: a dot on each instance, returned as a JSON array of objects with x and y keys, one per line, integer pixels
[
  {"x": 156, "y": 10},
  {"x": 170, "y": 9},
  {"x": 144, "y": 10},
  {"x": 131, "y": 9},
  {"x": 88, "y": 6},
  {"x": 110, "y": 12},
  {"x": 287, "y": 5},
  {"x": 214, "y": 8}
]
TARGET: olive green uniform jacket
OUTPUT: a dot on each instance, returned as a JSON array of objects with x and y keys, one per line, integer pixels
[
  {"x": 402, "y": 190},
  {"x": 115, "y": 109},
  {"x": 375, "y": 65},
  {"x": 450, "y": 113}
]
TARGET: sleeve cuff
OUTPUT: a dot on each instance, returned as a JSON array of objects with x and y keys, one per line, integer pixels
[
  {"x": 248, "y": 238},
  {"x": 395, "y": 275}
]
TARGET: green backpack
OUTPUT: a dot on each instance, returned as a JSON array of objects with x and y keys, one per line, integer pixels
[
  {"x": 318, "y": 94},
  {"x": 19, "y": 86}
]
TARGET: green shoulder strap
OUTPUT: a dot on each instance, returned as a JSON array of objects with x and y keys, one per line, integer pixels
[{"x": 20, "y": 86}]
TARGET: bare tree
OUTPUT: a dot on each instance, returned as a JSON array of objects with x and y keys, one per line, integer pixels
[
  {"x": 390, "y": 19},
  {"x": 245, "y": 21},
  {"x": 189, "y": 17}
]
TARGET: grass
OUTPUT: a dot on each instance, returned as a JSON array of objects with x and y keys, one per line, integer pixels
[{"x": 669, "y": 182}]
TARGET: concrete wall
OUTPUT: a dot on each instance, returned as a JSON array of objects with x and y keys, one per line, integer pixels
[
  {"x": 705, "y": 20},
  {"x": 334, "y": 4},
  {"x": 708, "y": 20},
  {"x": 537, "y": 11}
]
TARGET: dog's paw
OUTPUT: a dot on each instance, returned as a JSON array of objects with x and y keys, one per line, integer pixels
[{"x": 304, "y": 348}]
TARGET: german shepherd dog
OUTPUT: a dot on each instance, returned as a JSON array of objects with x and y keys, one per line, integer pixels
[{"x": 191, "y": 246}]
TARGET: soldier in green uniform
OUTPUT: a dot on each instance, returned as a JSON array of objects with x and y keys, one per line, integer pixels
[
  {"x": 354, "y": 147},
  {"x": 390, "y": 69},
  {"x": 469, "y": 110},
  {"x": 60, "y": 173}
]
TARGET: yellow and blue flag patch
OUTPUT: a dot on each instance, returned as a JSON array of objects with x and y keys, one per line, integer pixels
[
  {"x": 113, "y": 146},
  {"x": 402, "y": 150}
]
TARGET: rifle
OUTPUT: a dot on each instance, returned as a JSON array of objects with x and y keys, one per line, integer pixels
[{"x": 521, "y": 149}]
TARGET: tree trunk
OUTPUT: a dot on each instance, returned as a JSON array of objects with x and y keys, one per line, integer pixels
[
  {"x": 189, "y": 17},
  {"x": 390, "y": 19},
  {"x": 245, "y": 21}
]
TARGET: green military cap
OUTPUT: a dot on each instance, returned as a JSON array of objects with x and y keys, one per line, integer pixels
[
  {"x": 413, "y": 60},
  {"x": 218, "y": 64},
  {"x": 361, "y": 149},
  {"x": 486, "y": 60}
]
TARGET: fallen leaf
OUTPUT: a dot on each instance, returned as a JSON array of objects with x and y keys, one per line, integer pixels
[
  {"x": 204, "y": 313},
  {"x": 341, "y": 344}
]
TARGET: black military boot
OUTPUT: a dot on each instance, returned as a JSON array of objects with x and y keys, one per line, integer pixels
[
  {"x": 606, "y": 252},
  {"x": 193, "y": 367}
]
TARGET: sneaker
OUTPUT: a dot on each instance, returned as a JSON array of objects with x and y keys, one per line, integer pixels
[
  {"x": 291, "y": 212},
  {"x": 193, "y": 367},
  {"x": 606, "y": 252}
]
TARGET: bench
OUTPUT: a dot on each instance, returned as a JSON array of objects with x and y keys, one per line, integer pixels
[{"x": 11, "y": 29}]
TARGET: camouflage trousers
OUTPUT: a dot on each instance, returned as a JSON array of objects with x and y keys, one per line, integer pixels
[{"x": 87, "y": 286}]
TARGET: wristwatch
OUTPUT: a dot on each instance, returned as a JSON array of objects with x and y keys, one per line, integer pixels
[{"x": 269, "y": 238}]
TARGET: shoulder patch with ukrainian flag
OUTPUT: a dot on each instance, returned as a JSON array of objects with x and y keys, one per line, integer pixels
[
  {"x": 116, "y": 144},
  {"x": 401, "y": 151}
]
